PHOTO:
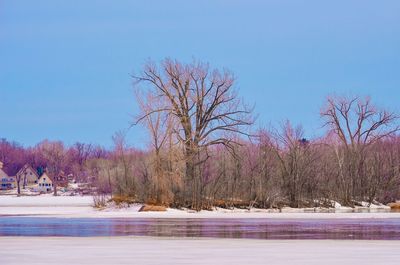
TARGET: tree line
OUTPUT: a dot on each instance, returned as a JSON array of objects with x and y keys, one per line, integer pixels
[{"x": 205, "y": 152}]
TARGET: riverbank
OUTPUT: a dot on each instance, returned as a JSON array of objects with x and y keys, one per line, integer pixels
[
  {"x": 148, "y": 250},
  {"x": 81, "y": 207}
]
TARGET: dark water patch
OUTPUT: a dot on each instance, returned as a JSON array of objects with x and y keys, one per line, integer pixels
[{"x": 360, "y": 229}]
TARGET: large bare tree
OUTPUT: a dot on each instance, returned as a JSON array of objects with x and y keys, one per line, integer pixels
[
  {"x": 205, "y": 104},
  {"x": 357, "y": 125}
]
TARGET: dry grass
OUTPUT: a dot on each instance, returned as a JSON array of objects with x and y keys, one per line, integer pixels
[
  {"x": 118, "y": 200},
  {"x": 394, "y": 205},
  {"x": 152, "y": 208}
]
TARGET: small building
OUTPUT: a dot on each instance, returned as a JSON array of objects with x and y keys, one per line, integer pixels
[
  {"x": 6, "y": 182},
  {"x": 71, "y": 178},
  {"x": 45, "y": 184},
  {"x": 61, "y": 180},
  {"x": 28, "y": 176}
]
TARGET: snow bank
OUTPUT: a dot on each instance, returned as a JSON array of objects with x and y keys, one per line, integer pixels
[
  {"x": 146, "y": 251},
  {"x": 81, "y": 206},
  {"x": 47, "y": 200}
]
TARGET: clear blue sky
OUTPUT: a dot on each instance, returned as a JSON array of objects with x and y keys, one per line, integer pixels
[{"x": 65, "y": 65}]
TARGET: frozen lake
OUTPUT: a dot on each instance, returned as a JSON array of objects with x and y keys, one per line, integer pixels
[
  {"x": 160, "y": 250},
  {"x": 343, "y": 229}
]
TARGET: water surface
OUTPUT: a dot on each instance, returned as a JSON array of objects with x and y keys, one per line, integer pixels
[{"x": 367, "y": 229}]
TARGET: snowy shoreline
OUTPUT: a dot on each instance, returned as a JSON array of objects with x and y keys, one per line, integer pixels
[
  {"x": 149, "y": 250},
  {"x": 81, "y": 207}
]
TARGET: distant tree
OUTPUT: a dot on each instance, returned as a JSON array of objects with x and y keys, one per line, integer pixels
[
  {"x": 14, "y": 158},
  {"x": 78, "y": 155},
  {"x": 297, "y": 158},
  {"x": 123, "y": 170},
  {"x": 56, "y": 158}
]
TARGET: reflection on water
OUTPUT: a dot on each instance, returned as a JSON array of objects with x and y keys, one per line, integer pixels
[{"x": 369, "y": 229}]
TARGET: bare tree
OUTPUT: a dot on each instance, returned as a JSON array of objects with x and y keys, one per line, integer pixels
[
  {"x": 267, "y": 185},
  {"x": 159, "y": 125},
  {"x": 80, "y": 153},
  {"x": 296, "y": 158},
  {"x": 56, "y": 157},
  {"x": 204, "y": 103},
  {"x": 21, "y": 176},
  {"x": 18, "y": 177},
  {"x": 124, "y": 165},
  {"x": 357, "y": 124}
]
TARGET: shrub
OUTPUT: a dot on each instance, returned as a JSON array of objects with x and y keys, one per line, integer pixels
[{"x": 99, "y": 200}]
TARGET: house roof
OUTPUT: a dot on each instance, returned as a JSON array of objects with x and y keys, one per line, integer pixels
[
  {"x": 25, "y": 168},
  {"x": 45, "y": 175}
]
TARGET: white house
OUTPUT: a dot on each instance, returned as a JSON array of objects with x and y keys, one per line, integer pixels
[
  {"x": 6, "y": 182},
  {"x": 45, "y": 184},
  {"x": 28, "y": 176}
]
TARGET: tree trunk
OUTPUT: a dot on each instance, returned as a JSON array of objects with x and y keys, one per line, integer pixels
[
  {"x": 55, "y": 188},
  {"x": 24, "y": 186},
  {"x": 192, "y": 192},
  {"x": 109, "y": 182},
  {"x": 18, "y": 187},
  {"x": 188, "y": 188},
  {"x": 159, "y": 189}
]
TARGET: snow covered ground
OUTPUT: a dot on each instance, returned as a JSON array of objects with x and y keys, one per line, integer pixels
[
  {"x": 145, "y": 251},
  {"x": 81, "y": 206}
]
